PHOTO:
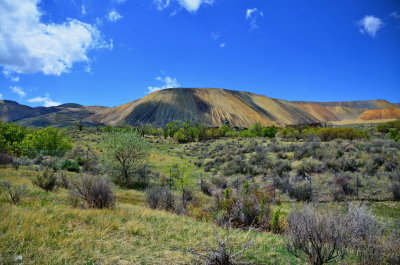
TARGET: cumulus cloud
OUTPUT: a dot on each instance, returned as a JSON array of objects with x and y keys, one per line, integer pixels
[
  {"x": 113, "y": 16},
  {"x": 168, "y": 81},
  {"x": 29, "y": 46},
  {"x": 189, "y": 5},
  {"x": 370, "y": 25},
  {"x": 18, "y": 90},
  {"x": 46, "y": 100},
  {"x": 1, "y": 96},
  {"x": 194, "y": 5},
  {"x": 252, "y": 14}
]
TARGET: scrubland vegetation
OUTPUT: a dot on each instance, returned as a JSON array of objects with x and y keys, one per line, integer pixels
[{"x": 187, "y": 194}]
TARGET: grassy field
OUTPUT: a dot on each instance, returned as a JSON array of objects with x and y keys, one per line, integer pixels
[{"x": 45, "y": 229}]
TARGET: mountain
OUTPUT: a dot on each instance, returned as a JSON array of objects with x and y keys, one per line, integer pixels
[
  {"x": 387, "y": 113},
  {"x": 58, "y": 116},
  {"x": 346, "y": 110},
  {"x": 205, "y": 105},
  {"x": 210, "y": 106}
]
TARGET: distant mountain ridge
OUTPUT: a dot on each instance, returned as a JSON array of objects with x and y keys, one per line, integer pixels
[
  {"x": 59, "y": 116},
  {"x": 210, "y": 106},
  {"x": 345, "y": 110}
]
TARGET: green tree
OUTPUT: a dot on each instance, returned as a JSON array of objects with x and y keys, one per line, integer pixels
[
  {"x": 48, "y": 141},
  {"x": 171, "y": 128},
  {"x": 124, "y": 156},
  {"x": 269, "y": 132},
  {"x": 256, "y": 129},
  {"x": 11, "y": 137}
]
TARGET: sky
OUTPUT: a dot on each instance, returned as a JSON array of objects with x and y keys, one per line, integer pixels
[{"x": 111, "y": 52}]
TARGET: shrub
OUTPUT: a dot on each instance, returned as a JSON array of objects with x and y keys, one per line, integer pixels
[
  {"x": 21, "y": 162},
  {"x": 220, "y": 182},
  {"x": 364, "y": 234},
  {"x": 300, "y": 192},
  {"x": 46, "y": 180},
  {"x": 206, "y": 188},
  {"x": 48, "y": 162},
  {"x": 329, "y": 134},
  {"x": 281, "y": 168},
  {"x": 343, "y": 163},
  {"x": 95, "y": 191},
  {"x": 316, "y": 236},
  {"x": 63, "y": 181},
  {"x": 278, "y": 224},
  {"x": 388, "y": 126},
  {"x": 12, "y": 193},
  {"x": 70, "y": 165},
  {"x": 343, "y": 181},
  {"x": 243, "y": 208},
  {"x": 394, "y": 134},
  {"x": 160, "y": 198},
  {"x": 224, "y": 253},
  {"x": 396, "y": 191},
  {"x": 5, "y": 159},
  {"x": 307, "y": 168},
  {"x": 323, "y": 236},
  {"x": 87, "y": 159}
]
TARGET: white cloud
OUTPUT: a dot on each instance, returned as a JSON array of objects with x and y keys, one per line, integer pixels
[
  {"x": 83, "y": 10},
  {"x": 162, "y": 4},
  {"x": 395, "y": 14},
  {"x": 189, "y": 5},
  {"x": 252, "y": 14},
  {"x": 370, "y": 25},
  {"x": 46, "y": 100},
  {"x": 222, "y": 45},
  {"x": 113, "y": 16},
  {"x": 120, "y": 1},
  {"x": 1, "y": 96},
  {"x": 215, "y": 35},
  {"x": 29, "y": 46},
  {"x": 18, "y": 90},
  {"x": 169, "y": 82},
  {"x": 8, "y": 74},
  {"x": 88, "y": 68},
  {"x": 194, "y": 5}
]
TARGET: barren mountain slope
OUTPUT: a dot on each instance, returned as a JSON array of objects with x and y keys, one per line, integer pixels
[
  {"x": 390, "y": 113},
  {"x": 336, "y": 111},
  {"x": 363, "y": 104},
  {"x": 205, "y": 105}
]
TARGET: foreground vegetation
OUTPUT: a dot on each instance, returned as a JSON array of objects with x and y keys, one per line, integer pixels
[{"x": 136, "y": 196}]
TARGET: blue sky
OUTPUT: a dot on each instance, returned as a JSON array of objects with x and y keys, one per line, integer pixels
[{"x": 114, "y": 51}]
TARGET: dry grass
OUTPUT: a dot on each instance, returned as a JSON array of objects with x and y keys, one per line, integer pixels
[{"x": 44, "y": 229}]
